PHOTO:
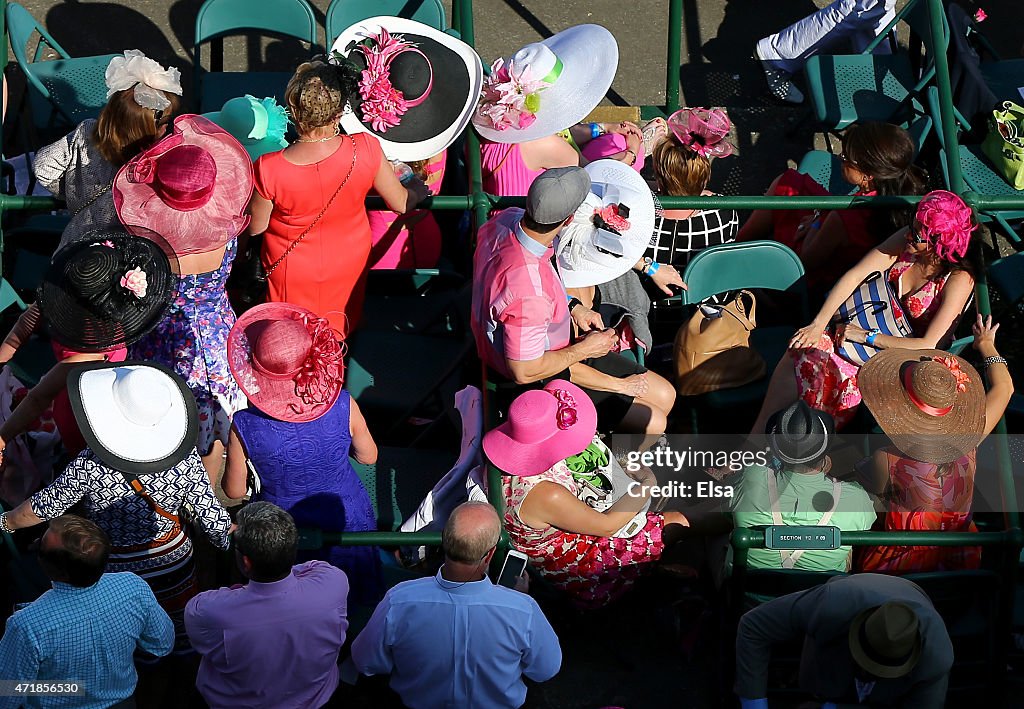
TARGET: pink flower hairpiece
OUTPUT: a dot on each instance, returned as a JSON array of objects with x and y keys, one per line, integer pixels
[
  {"x": 324, "y": 365},
  {"x": 509, "y": 99},
  {"x": 980, "y": 15},
  {"x": 135, "y": 282},
  {"x": 612, "y": 218},
  {"x": 383, "y": 105},
  {"x": 948, "y": 223},
  {"x": 953, "y": 365},
  {"x": 566, "y": 416}
]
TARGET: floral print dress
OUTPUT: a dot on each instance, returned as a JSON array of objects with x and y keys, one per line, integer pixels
[
  {"x": 827, "y": 381},
  {"x": 593, "y": 571},
  {"x": 926, "y": 497},
  {"x": 192, "y": 340}
]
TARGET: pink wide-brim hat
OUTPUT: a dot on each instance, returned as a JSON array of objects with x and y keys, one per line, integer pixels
[
  {"x": 544, "y": 426},
  {"x": 703, "y": 130},
  {"x": 192, "y": 188},
  {"x": 610, "y": 144},
  {"x": 287, "y": 360}
]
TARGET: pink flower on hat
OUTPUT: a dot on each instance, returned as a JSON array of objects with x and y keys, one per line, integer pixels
[
  {"x": 566, "y": 414},
  {"x": 135, "y": 281},
  {"x": 953, "y": 365},
  {"x": 509, "y": 99},
  {"x": 141, "y": 170},
  {"x": 610, "y": 218},
  {"x": 980, "y": 15}
]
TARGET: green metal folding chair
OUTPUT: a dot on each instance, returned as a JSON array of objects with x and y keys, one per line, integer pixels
[
  {"x": 752, "y": 264},
  {"x": 977, "y": 172},
  {"x": 62, "y": 92},
  {"x": 848, "y": 88},
  {"x": 400, "y": 480},
  {"x": 343, "y": 13},
  {"x": 220, "y": 18},
  {"x": 827, "y": 169}
]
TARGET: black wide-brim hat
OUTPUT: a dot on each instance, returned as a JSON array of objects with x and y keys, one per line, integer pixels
[
  {"x": 432, "y": 126},
  {"x": 800, "y": 435},
  {"x": 91, "y": 295}
]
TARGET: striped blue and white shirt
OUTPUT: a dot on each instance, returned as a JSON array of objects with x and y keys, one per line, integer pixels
[{"x": 87, "y": 636}]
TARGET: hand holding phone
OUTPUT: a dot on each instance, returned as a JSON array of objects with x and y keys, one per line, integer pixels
[{"x": 512, "y": 569}]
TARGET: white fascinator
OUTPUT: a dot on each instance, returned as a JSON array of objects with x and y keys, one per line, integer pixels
[{"x": 147, "y": 76}]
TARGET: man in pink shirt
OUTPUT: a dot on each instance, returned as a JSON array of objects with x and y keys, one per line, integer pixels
[
  {"x": 521, "y": 315},
  {"x": 275, "y": 641}
]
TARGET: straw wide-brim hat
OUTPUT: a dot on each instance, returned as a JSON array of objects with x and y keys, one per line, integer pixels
[
  {"x": 106, "y": 290},
  {"x": 930, "y": 403},
  {"x": 885, "y": 640},
  {"x": 589, "y": 256},
  {"x": 137, "y": 417},
  {"x": 544, "y": 426},
  {"x": 448, "y": 69},
  {"x": 589, "y": 57},
  {"x": 287, "y": 361},
  {"x": 191, "y": 188},
  {"x": 260, "y": 126}
]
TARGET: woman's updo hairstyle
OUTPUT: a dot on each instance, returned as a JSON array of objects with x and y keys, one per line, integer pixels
[{"x": 319, "y": 92}]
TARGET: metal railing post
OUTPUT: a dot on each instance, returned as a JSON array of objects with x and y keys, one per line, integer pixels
[
  {"x": 675, "y": 34},
  {"x": 937, "y": 26}
]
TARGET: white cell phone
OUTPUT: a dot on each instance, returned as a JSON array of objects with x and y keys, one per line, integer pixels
[{"x": 512, "y": 568}]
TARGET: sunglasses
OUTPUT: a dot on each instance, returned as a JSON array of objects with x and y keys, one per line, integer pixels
[
  {"x": 914, "y": 236},
  {"x": 843, "y": 156}
]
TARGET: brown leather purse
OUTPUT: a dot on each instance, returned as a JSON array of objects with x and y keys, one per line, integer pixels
[{"x": 712, "y": 351}]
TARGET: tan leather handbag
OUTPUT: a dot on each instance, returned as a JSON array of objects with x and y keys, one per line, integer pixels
[{"x": 712, "y": 350}]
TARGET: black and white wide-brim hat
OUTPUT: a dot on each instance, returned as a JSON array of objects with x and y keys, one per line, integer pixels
[
  {"x": 440, "y": 77},
  {"x": 137, "y": 417}
]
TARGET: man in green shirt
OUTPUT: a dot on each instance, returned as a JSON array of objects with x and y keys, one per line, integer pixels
[{"x": 801, "y": 493}]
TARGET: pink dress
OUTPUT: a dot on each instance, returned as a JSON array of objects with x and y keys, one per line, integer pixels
[
  {"x": 828, "y": 382},
  {"x": 593, "y": 571},
  {"x": 396, "y": 244},
  {"x": 922, "y": 499},
  {"x": 504, "y": 172}
]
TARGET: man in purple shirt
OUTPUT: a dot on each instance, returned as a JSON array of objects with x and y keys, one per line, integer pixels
[{"x": 275, "y": 641}]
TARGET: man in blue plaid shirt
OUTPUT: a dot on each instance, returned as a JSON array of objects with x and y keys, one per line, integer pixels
[{"x": 85, "y": 629}]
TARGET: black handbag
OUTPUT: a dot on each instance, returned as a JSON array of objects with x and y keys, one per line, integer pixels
[{"x": 247, "y": 283}]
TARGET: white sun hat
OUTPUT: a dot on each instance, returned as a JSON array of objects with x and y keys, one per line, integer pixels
[
  {"x": 590, "y": 253},
  {"x": 577, "y": 65},
  {"x": 437, "y": 75},
  {"x": 137, "y": 417}
]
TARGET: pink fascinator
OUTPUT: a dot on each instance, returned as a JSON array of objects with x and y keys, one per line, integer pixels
[
  {"x": 947, "y": 222},
  {"x": 702, "y": 130}
]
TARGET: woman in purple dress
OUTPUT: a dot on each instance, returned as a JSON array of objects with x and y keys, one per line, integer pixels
[{"x": 297, "y": 436}]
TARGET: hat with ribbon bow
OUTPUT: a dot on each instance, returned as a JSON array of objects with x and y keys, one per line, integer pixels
[
  {"x": 288, "y": 361},
  {"x": 930, "y": 403}
]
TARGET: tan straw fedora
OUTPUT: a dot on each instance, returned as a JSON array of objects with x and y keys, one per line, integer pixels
[{"x": 930, "y": 403}]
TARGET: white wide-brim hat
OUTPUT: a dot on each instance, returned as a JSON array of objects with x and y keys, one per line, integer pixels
[
  {"x": 589, "y": 57},
  {"x": 432, "y": 126},
  {"x": 137, "y": 417},
  {"x": 589, "y": 255}
]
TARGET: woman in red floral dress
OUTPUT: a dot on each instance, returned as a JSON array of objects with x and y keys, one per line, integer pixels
[
  {"x": 935, "y": 409},
  {"x": 593, "y": 556},
  {"x": 933, "y": 282}
]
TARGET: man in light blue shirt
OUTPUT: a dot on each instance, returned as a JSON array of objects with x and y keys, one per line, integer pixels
[
  {"x": 458, "y": 640},
  {"x": 86, "y": 629}
]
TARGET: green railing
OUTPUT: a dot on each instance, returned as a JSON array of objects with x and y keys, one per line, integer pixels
[{"x": 481, "y": 203}]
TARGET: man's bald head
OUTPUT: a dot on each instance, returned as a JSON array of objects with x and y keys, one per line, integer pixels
[{"x": 473, "y": 529}]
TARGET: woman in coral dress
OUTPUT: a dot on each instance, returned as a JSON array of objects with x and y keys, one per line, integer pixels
[{"x": 309, "y": 200}]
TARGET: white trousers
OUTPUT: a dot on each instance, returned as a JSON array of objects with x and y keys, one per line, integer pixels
[{"x": 858, "y": 21}]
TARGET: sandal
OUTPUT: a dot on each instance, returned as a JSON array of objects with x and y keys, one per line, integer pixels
[{"x": 654, "y": 131}]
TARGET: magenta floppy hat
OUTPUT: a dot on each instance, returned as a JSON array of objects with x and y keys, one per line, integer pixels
[
  {"x": 544, "y": 426},
  {"x": 287, "y": 361},
  {"x": 191, "y": 188}
]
